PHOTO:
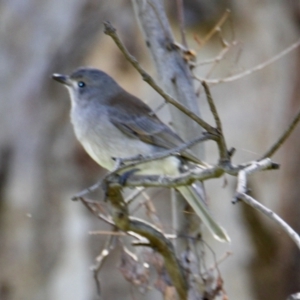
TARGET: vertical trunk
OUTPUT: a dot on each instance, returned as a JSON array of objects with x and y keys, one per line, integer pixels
[{"x": 175, "y": 78}]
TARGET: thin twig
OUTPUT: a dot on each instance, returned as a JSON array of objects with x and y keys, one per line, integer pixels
[
  {"x": 241, "y": 194},
  {"x": 134, "y": 195},
  {"x": 268, "y": 212},
  {"x": 216, "y": 59},
  {"x": 224, "y": 157},
  {"x": 215, "y": 29},
  {"x": 284, "y": 137},
  {"x": 226, "y": 47},
  {"x": 254, "y": 69},
  {"x": 87, "y": 190},
  {"x": 212, "y": 106},
  {"x": 150, "y": 210},
  {"x": 107, "y": 248},
  {"x": 111, "y": 31},
  {"x": 96, "y": 212},
  {"x": 155, "y": 238}
]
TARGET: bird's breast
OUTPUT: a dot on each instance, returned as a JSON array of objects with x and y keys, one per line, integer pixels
[{"x": 103, "y": 142}]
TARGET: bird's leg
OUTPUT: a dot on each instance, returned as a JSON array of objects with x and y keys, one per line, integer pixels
[{"x": 124, "y": 176}]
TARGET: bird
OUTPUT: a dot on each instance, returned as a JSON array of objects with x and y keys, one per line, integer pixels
[{"x": 111, "y": 123}]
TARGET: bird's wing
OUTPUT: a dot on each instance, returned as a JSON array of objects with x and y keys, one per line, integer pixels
[{"x": 137, "y": 120}]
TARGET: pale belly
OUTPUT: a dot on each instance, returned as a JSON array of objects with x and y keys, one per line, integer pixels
[
  {"x": 166, "y": 166},
  {"x": 107, "y": 142}
]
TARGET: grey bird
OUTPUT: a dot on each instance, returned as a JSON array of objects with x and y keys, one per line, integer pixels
[{"x": 111, "y": 123}]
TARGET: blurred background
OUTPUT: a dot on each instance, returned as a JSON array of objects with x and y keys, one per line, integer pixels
[{"x": 45, "y": 247}]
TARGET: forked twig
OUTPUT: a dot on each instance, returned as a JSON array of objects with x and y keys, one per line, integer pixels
[
  {"x": 254, "y": 69},
  {"x": 215, "y": 29},
  {"x": 107, "y": 248}
]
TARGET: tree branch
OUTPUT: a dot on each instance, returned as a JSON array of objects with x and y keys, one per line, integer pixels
[
  {"x": 111, "y": 31},
  {"x": 241, "y": 194},
  {"x": 254, "y": 69},
  {"x": 284, "y": 137},
  {"x": 136, "y": 160},
  {"x": 189, "y": 177},
  {"x": 224, "y": 157},
  {"x": 156, "y": 238}
]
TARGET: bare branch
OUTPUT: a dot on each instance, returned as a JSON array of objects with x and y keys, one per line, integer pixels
[
  {"x": 138, "y": 228},
  {"x": 107, "y": 248},
  {"x": 137, "y": 160},
  {"x": 254, "y": 69},
  {"x": 241, "y": 194},
  {"x": 215, "y": 29},
  {"x": 187, "y": 178},
  {"x": 226, "y": 47},
  {"x": 218, "y": 58},
  {"x": 90, "y": 206},
  {"x": 224, "y": 156},
  {"x": 284, "y": 137},
  {"x": 268, "y": 212},
  {"x": 111, "y": 31},
  {"x": 87, "y": 190},
  {"x": 212, "y": 106},
  {"x": 134, "y": 195},
  {"x": 156, "y": 239}
]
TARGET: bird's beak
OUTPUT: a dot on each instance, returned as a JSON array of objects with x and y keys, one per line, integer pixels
[{"x": 64, "y": 79}]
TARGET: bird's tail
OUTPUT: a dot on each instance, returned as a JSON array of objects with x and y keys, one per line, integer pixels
[{"x": 201, "y": 210}]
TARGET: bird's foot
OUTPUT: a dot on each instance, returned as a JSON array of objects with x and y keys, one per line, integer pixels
[{"x": 123, "y": 177}]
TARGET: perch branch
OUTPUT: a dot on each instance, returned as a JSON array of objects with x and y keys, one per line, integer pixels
[
  {"x": 137, "y": 160},
  {"x": 187, "y": 178}
]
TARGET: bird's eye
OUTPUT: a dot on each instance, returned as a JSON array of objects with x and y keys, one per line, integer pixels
[{"x": 81, "y": 84}]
